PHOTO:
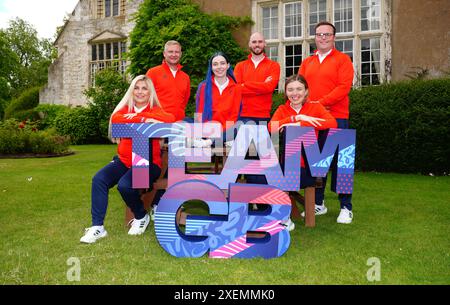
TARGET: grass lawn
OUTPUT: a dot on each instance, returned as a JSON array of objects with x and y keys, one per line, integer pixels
[{"x": 403, "y": 220}]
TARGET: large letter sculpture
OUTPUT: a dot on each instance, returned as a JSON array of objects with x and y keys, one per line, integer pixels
[{"x": 226, "y": 231}]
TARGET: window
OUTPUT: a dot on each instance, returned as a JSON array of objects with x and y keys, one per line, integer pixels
[
  {"x": 370, "y": 61},
  {"x": 317, "y": 13},
  {"x": 292, "y": 20},
  {"x": 343, "y": 16},
  {"x": 293, "y": 59},
  {"x": 108, "y": 8},
  {"x": 270, "y": 22},
  {"x": 272, "y": 52},
  {"x": 361, "y": 25},
  {"x": 345, "y": 46},
  {"x": 370, "y": 15},
  {"x": 106, "y": 55}
]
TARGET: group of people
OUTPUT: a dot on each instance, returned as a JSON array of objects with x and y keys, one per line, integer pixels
[{"x": 316, "y": 97}]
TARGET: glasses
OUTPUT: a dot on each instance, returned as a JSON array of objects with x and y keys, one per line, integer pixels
[{"x": 321, "y": 35}]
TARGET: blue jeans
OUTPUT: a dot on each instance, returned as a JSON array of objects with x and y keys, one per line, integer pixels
[
  {"x": 117, "y": 173},
  {"x": 344, "y": 199}
]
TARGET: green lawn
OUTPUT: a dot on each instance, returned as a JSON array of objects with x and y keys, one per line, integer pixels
[{"x": 403, "y": 220}]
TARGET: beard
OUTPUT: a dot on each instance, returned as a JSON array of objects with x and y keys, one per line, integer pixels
[{"x": 257, "y": 52}]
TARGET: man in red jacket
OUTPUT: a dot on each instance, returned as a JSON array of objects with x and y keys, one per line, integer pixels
[
  {"x": 329, "y": 74},
  {"x": 258, "y": 76},
  {"x": 172, "y": 85}
]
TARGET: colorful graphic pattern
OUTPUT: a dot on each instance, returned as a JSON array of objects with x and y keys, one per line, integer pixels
[{"x": 225, "y": 233}]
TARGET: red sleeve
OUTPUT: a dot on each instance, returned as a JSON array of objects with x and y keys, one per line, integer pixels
[
  {"x": 238, "y": 72},
  {"x": 317, "y": 110},
  {"x": 345, "y": 81},
  {"x": 280, "y": 118},
  {"x": 253, "y": 87}
]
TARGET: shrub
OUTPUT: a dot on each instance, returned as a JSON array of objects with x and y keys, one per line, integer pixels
[
  {"x": 80, "y": 124},
  {"x": 403, "y": 127},
  {"x": 47, "y": 114},
  {"x": 109, "y": 89},
  {"x": 26, "y": 101},
  {"x": 23, "y": 137}
]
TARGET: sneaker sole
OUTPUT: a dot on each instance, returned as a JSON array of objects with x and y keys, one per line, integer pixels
[{"x": 91, "y": 242}]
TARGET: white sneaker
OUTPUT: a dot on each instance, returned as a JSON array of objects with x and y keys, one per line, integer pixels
[
  {"x": 138, "y": 226},
  {"x": 289, "y": 224},
  {"x": 92, "y": 234},
  {"x": 153, "y": 212},
  {"x": 319, "y": 210},
  {"x": 345, "y": 216}
]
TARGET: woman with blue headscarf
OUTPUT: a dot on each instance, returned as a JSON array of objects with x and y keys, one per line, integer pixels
[{"x": 218, "y": 97}]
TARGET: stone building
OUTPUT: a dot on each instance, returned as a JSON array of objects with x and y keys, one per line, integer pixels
[
  {"x": 94, "y": 37},
  {"x": 386, "y": 39}
]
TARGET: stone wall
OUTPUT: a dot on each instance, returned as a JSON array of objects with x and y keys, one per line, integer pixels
[
  {"x": 420, "y": 37},
  {"x": 69, "y": 75}
]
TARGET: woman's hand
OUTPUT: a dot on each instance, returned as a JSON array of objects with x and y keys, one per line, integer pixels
[
  {"x": 129, "y": 116},
  {"x": 310, "y": 119}
]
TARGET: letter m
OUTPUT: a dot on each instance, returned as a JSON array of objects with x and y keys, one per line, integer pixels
[{"x": 338, "y": 152}]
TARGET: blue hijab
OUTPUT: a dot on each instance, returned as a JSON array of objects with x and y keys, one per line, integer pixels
[{"x": 207, "y": 107}]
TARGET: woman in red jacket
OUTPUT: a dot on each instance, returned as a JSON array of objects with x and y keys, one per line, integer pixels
[
  {"x": 299, "y": 110},
  {"x": 140, "y": 104},
  {"x": 218, "y": 97}
]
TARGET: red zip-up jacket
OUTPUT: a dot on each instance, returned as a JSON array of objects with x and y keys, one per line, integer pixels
[
  {"x": 124, "y": 149},
  {"x": 173, "y": 92},
  {"x": 285, "y": 114},
  {"x": 225, "y": 106},
  {"x": 330, "y": 82},
  {"x": 256, "y": 93}
]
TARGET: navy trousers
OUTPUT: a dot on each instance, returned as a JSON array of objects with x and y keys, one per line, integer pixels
[{"x": 117, "y": 173}]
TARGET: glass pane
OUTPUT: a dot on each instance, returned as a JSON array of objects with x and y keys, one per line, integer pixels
[
  {"x": 266, "y": 12},
  {"x": 375, "y": 24},
  {"x": 108, "y": 51},
  {"x": 364, "y": 25},
  {"x": 365, "y": 80},
  {"x": 323, "y": 5},
  {"x": 94, "y": 52},
  {"x": 313, "y": 6},
  {"x": 298, "y": 49},
  {"x": 365, "y": 56},
  {"x": 116, "y": 50},
  {"x": 115, "y": 7},
  {"x": 101, "y": 52},
  {"x": 365, "y": 44},
  {"x": 375, "y": 44},
  {"x": 289, "y": 50},
  {"x": 375, "y": 79},
  {"x": 107, "y": 8},
  {"x": 289, "y": 72},
  {"x": 289, "y": 61},
  {"x": 365, "y": 68},
  {"x": 274, "y": 34}
]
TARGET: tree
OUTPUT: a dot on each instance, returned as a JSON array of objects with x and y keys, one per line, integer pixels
[
  {"x": 200, "y": 35},
  {"x": 32, "y": 56}
]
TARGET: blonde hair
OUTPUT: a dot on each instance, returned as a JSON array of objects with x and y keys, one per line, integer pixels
[
  {"x": 128, "y": 99},
  {"x": 171, "y": 43}
]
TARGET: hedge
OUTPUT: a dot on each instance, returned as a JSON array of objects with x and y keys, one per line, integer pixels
[
  {"x": 80, "y": 124},
  {"x": 22, "y": 106},
  {"x": 403, "y": 127}
]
